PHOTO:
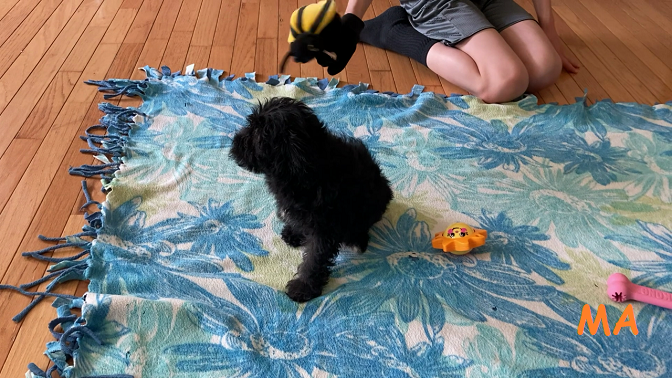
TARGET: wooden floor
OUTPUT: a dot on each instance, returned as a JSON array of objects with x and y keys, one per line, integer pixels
[{"x": 49, "y": 47}]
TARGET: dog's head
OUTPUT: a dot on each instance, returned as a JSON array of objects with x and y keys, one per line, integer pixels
[{"x": 279, "y": 138}]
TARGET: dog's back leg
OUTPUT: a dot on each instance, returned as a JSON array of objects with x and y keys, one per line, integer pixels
[{"x": 314, "y": 271}]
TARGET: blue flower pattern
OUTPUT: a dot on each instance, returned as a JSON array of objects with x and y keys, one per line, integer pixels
[{"x": 184, "y": 227}]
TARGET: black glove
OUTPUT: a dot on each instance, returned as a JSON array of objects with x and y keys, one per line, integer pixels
[{"x": 343, "y": 44}]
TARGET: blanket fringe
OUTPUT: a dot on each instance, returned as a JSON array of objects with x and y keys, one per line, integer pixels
[
  {"x": 117, "y": 122},
  {"x": 117, "y": 87},
  {"x": 64, "y": 269}
]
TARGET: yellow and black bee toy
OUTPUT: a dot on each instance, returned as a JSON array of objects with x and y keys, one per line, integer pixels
[{"x": 318, "y": 32}]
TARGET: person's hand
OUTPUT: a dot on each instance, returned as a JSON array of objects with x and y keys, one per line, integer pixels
[
  {"x": 569, "y": 64},
  {"x": 345, "y": 44}
]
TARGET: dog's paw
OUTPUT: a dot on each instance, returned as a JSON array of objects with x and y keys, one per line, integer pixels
[
  {"x": 292, "y": 238},
  {"x": 300, "y": 291}
]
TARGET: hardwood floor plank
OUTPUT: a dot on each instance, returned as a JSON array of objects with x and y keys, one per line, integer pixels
[
  {"x": 6, "y": 6},
  {"x": 13, "y": 164},
  {"x": 186, "y": 19},
  {"x": 45, "y": 111},
  {"x": 16, "y": 41},
  {"x": 639, "y": 50},
  {"x": 202, "y": 37},
  {"x": 144, "y": 21},
  {"x": 264, "y": 62},
  {"x": 227, "y": 23},
  {"x": 29, "y": 89},
  {"x": 357, "y": 69},
  {"x": 198, "y": 56},
  {"x": 402, "y": 72},
  {"x": 634, "y": 55},
  {"x": 376, "y": 58},
  {"x": 221, "y": 51},
  {"x": 15, "y": 17},
  {"x": 220, "y": 58},
  {"x": 436, "y": 89},
  {"x": 637, "y": 90},
  {"x": 135, "y": 4},
  {"x": 662, "y": 35},
  {"x": 157, "y": 41},
  {"x": 245, "y": 46},
  {"x": 312, "y": 69},
  {"x": 176, "y": 51},
  {"x": 651, "y": 8},
  {"x": 640, "y": 36},
  {"x": 567, "y": 85},
  {"x": 119, "y": 29},
  {"x": 13, "y": 72},
  {"x": 573, "y": 85},
  {"x": 207, "y": 23},
  {"x": 382, "y": 81},
  {"x": 18, "y": 212},
  {"x": 268, "y": 19},
  {"x": 164, "y": 21},
  {"x": 99, "y": 32}
]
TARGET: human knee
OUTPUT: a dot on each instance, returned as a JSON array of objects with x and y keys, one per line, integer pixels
[
  {"x": 544, "y": 70},
  {"x": 505, "y": 86}
]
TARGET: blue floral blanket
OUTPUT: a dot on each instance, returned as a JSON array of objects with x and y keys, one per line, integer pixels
[{"x": 187, "y": 268}]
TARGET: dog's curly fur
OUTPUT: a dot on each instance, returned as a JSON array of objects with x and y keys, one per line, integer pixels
[{"x": 329, "y": 191}]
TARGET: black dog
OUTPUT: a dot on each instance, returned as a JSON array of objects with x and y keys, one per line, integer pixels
[{"x": 329, "y": 191}]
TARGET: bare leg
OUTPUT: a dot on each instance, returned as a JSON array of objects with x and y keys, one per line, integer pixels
[
  {"x": 483, "y": 64},
  {"x": 530, "y": 43}
]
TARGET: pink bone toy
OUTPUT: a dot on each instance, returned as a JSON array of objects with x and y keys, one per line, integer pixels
[{"x": 620, "y": 289}]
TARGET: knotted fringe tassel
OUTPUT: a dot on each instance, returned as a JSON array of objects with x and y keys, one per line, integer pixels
[
  {"x": 108, "y": 148},
  {"x": 66, "y": 268},
  {"x": 67, "y": 342},
  {"x": 131, "y": 89}
]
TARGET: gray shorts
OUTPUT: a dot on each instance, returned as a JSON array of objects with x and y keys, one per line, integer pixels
[{"x": 452, "y": 21}]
